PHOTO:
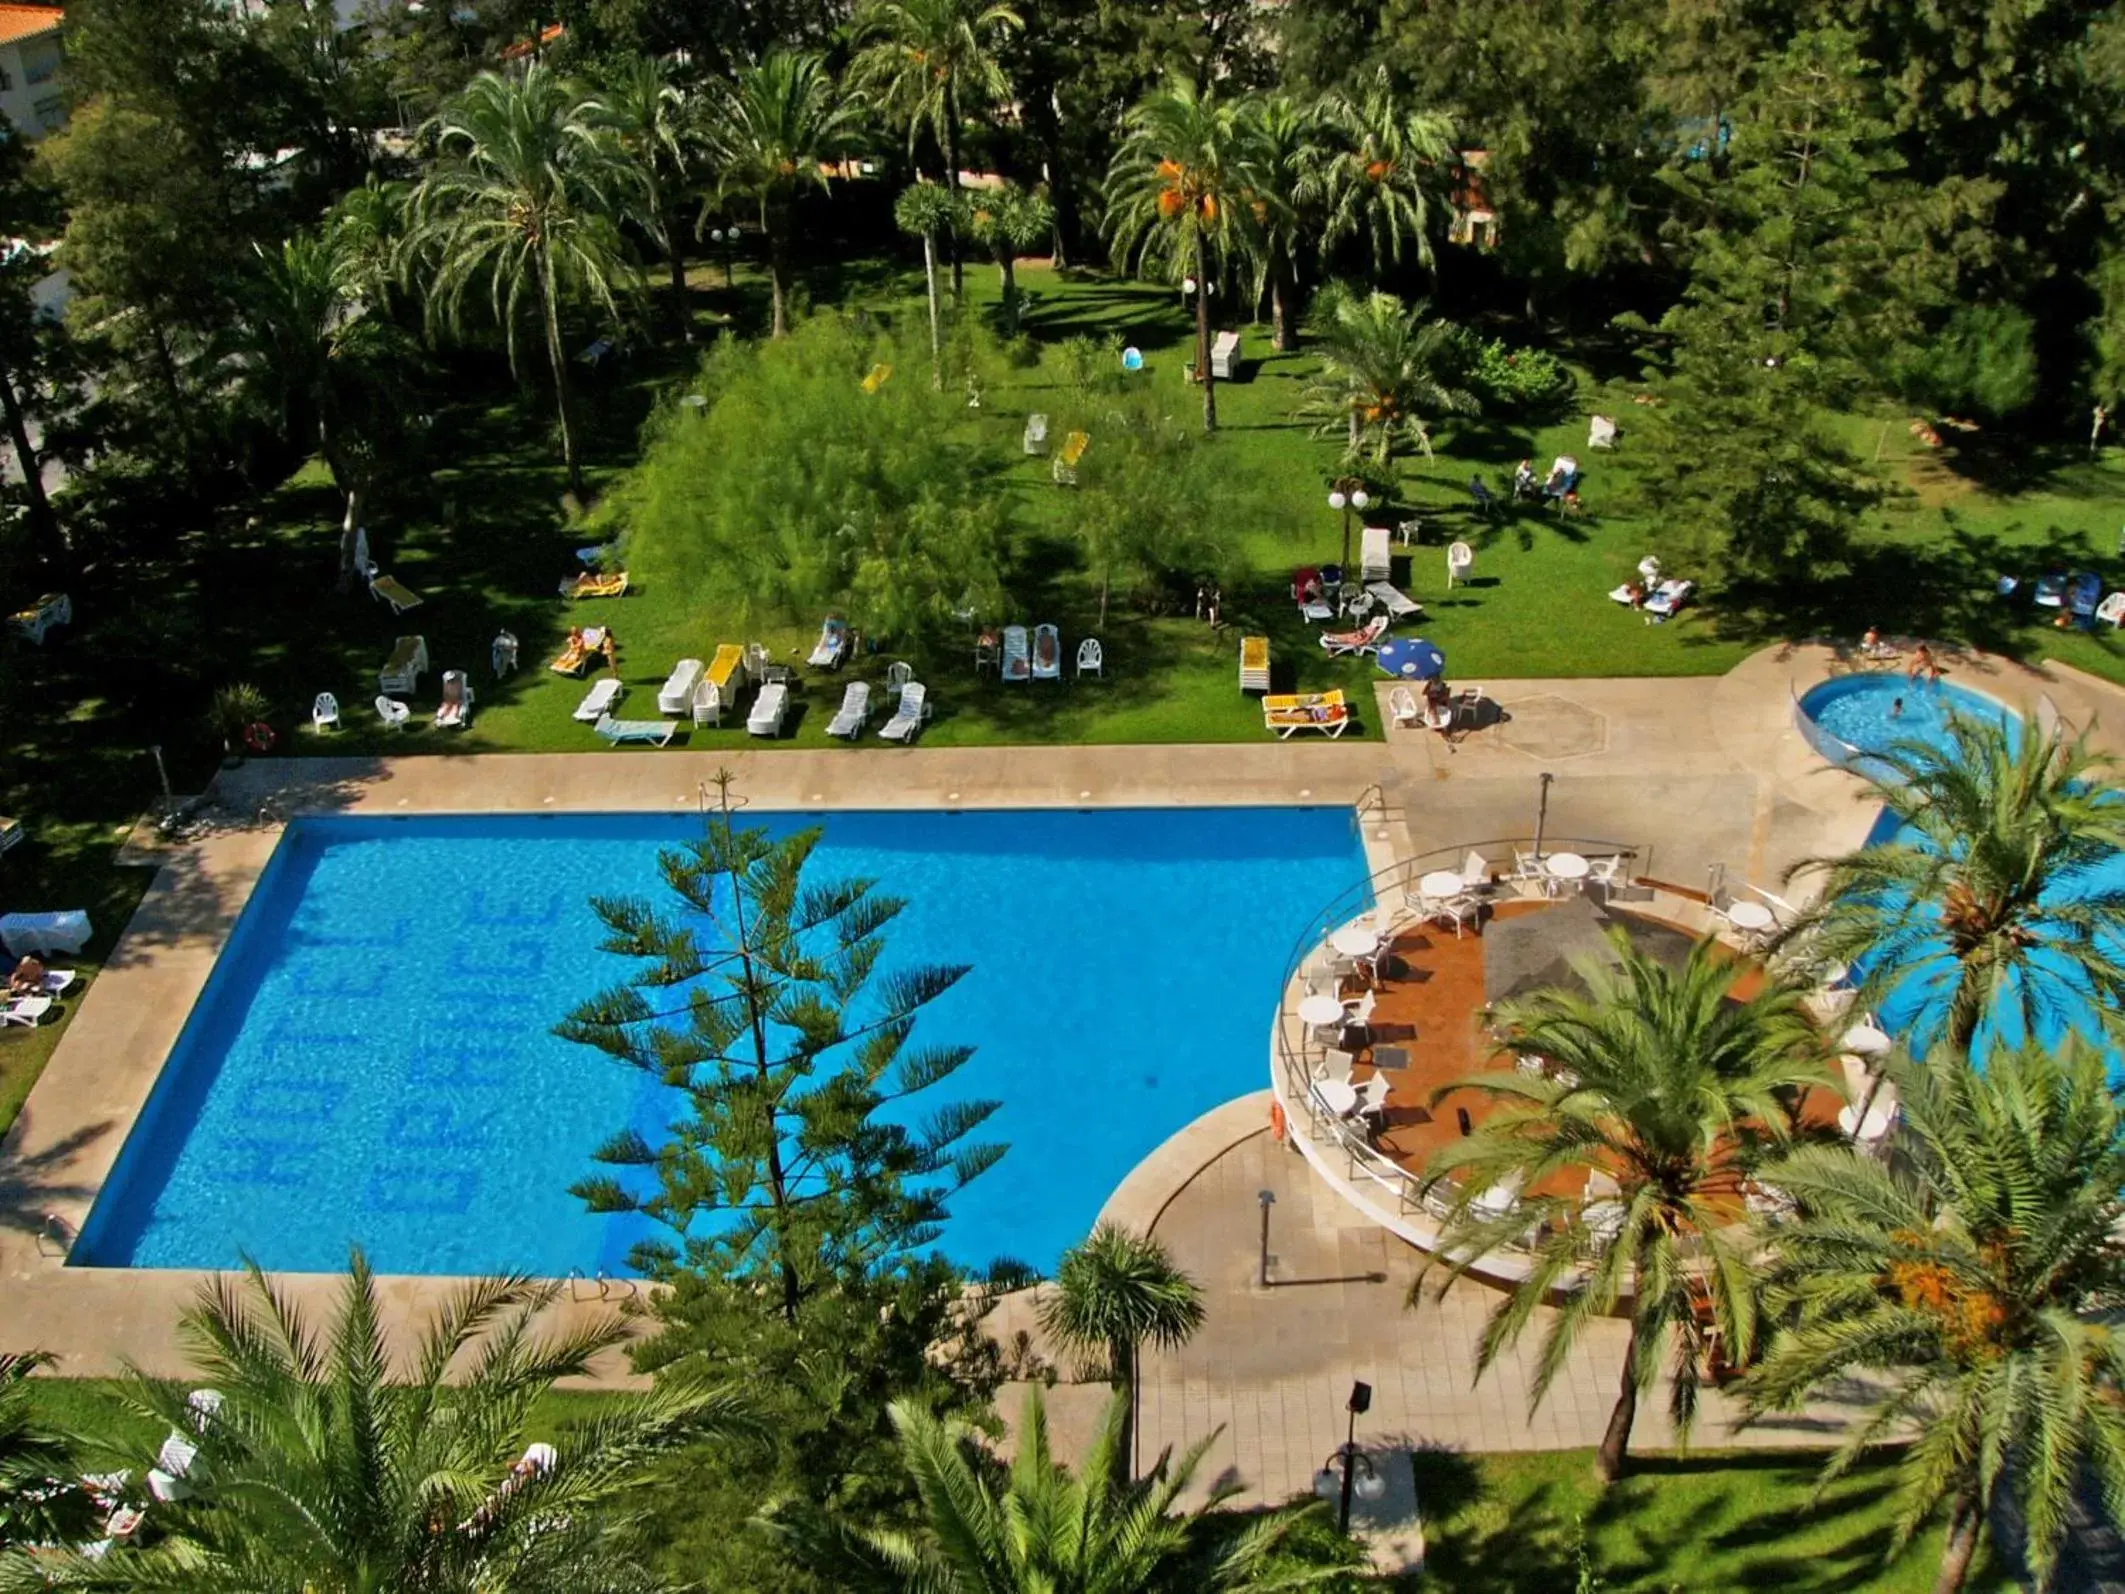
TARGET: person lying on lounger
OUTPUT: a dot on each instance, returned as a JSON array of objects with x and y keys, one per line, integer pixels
[{"x": 28, "y": 977}]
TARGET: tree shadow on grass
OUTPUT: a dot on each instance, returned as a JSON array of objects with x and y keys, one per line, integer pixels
[{"x": 1945, "y": 589}]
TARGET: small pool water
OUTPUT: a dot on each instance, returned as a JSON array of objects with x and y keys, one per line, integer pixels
[
  {"x": 1871, "y": 713},
  {"x": 372, "y": 1059}
]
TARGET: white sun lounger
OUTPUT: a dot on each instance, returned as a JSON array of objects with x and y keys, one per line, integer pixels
[
  {"x": 907, "y": 719},
  {"x": 1047, "y": 653},
  {"x": 768, "y": 709},
  {"x": 618, "y": 731},
  {"x": 25, "y": 1010},
  {"x": 832, "y": 646},
  {"x": 454, "y": 713},
  {"x": 599, "y": 700},
  {"x": 64, "y": 931},
  {"x": 855, "y": 709},
  {"x": 1017, "y": 657},
  {"x": 1398, "y": 604},
  {"x": 1373, "y": 555},
  {"x": 1669, "y": 598},
  {"x": 676, "y": 696}
]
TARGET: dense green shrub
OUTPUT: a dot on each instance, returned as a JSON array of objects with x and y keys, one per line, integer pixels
[
  {"x": 1983, "y": 362},
  {"x": 1511, "y": 381},
  {"x": 799, "y": 487}
]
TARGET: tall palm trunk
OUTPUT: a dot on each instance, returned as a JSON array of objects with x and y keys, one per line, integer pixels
[
  {"x": 44, "y": 525},
  {"x": 1202, "y": 334},
  {"x": 1010, "y": 289},
  {"x": 951, "y": 186},
  {"x": 673, "y": 259},
  {"x": 550, "y": 306},
  {"x": 777, "y": 290},
  {"x": 354, "y": 490},
  {"x": 1283, "y": 289},
  {"x": 1966, "y": 1522},
  {"x": 929, "y": 279},
  {"x": 1616, "y": 1440}
]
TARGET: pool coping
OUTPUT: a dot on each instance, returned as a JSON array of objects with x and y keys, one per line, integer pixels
[{"x": 66, "y": 1142}]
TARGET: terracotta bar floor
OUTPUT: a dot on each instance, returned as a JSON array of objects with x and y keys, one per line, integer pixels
[{"x": 1432, "y": 1005}]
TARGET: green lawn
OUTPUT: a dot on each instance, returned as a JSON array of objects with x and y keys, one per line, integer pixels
[
  {"x": 478, "y": 525},
  {"x": 1509, "y": 1524}
]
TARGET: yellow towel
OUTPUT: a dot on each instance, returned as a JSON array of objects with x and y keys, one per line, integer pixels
[
  {"x": 723, "y": 669},
  {"x": 1074, "y": 447},
  {"x": 880, "y": 375}
]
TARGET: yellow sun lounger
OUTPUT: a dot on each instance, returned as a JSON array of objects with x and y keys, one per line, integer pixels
[
  {"x": 584, "y": 649},
  {"x": 1254, "y": 664},
  {"x": 878, "y": 377},
  {"x": 724, "y": 668},
  {"x": 391, "y": 590},
  {"x": 593, "y": 584},
  {"x": 1288, "y": 714}
]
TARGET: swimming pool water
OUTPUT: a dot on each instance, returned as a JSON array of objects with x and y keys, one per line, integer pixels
[
  {"x": 1874, "y": 712},
  {"x": 372, "y": 1060}
]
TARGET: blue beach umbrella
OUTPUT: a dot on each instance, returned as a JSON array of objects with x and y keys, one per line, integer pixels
[{"x": 1412, "y": 659}]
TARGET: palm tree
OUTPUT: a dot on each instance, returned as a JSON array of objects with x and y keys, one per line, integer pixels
[
  {"x": 928, "y": 63},
  {"x": 924, "y": 210},
  {"x": 321, "y": 354},
  {"x": 1385, "y": 377},
  {"x": 525, "y": 203},
  {"x": 1280, "y": 213},
  {"x": 1982, "y": 906},
  {"x": 648, "y": 113},
  {"x": 1036, "y": 1529},
  {"x": 768, "y": 132},
  {"x": 1980, "y": 1269},
  {"x": 39, "y": 1466},
  {"x": 1176, "y": 193},
  {"x": 1113, "y": 1292},
  {"x": 1372, "y": 174},
  {"x": 1661, "y": 1080},
  {"x": 1008, "y": 220},
  {"x": 331, "y": 1464}
]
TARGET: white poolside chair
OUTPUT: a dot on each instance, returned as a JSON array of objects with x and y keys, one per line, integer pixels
[
  {"x": 1335, "y": 1064},
  {"x": 393, "y": 713},
  {"x": 768, "y": 710},
  {"x": 1364, "y": 640},
  {"x": 1372, "y": 1096},
  {"x": 599, "y": 700},
  {"x": 25, "y": 1010},
  {"x": 1468, "y": 707},
  {"x": 619, "y": 731},
  {"x": 855, "y": 709},
  {"x": 1090, "y": 659},
  {"x": 832, "y": 646},
  {"x": 502, "y": 653},
  {"x": 1459, "y": 911},
  {"x": 908, "y": 715},
  {"x": 676, "y": 696},
  {"x": 1358, "y": 1010},
  {"x": 897, "y": 676},
  {"x": 1460, "y": 559},
  {"x": 1403, "y": 705},
  {"x": 454, "y": 713},
  {"x": 324, "y": 713},
  {"x": 708, "y": 704}
]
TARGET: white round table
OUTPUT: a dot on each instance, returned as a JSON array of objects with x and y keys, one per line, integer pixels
[
  {"x": 1320, "y": 1011},
  {"x": 1439, "y": 885},
  {"x": 1355, "y": 941},
  {"x": 1339, "y": 1096},
  {"x": 1749, "y": 916},
  {"x": 1864, "y": 1040},
  {"x": 1567, "y": 866}
]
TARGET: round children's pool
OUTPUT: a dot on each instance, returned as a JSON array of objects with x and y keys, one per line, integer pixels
[{"x": 1863, "y": 714}]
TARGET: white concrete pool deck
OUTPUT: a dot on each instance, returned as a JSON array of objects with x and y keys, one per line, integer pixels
[{"x": 1703, "y": 772}]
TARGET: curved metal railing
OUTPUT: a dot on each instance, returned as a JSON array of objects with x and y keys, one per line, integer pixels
[
  {"x": 1325, "y": 1130},
  {"x": 1835, "y": 749}
]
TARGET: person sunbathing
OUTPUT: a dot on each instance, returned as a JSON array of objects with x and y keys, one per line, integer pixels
[{"x": 27, "y": 978}]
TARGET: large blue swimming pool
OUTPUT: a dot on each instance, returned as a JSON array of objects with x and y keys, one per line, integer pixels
[
  {"x": 1869, "y": 714},
  {"x": 372, "y": 1060}
]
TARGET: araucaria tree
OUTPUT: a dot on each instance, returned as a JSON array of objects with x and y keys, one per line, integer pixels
[
  {"x": 759, "y": 998},
  {"x": 1176, "y": 193},
  {"x": 335, "y": 1459},
  {"x": 522, "y": 212},
  {"x": 930, "y": 64},
  {"x": 1985, "y": 915},
  {"x": 1979, "y": 1268},
  {"x": 768, "y": 132},
  {"x": 1667, "y": 1085},
  {"x": 1113, "y": 1293}
]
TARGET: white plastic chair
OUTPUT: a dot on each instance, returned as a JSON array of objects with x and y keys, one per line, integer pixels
[
  {"x": 502, "y": 655},
  {"x": 1460, "y": 559},
  {"x": 1468, "y": 706},
  {"x": 897, "y": 675},
  {"x": 324, "y": 712},
  {"x": 1402, "y": 704},
  {"x": 395, "y": 714},
  {"x": 1090, "y": 660},
  {"x": 1372, "y": 1096}
]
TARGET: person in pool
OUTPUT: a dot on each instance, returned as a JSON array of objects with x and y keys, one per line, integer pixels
[{"x": 1896, "y": 709}]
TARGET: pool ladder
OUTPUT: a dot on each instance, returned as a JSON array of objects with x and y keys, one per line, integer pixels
[
  {"x": 606, "y": 1287},
  {"x": 55, "y": 1236}
]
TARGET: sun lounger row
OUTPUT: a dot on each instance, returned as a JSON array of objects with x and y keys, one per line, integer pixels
[{"x": 1042, "y": 661}]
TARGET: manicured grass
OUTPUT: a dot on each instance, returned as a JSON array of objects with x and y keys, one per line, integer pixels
[{"x": 1506, "y": 1524}]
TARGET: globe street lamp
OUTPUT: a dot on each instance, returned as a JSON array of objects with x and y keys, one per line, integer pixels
[
  {"x": 1358, "y": 1474},
  {"x": 1347, "y": 495}
]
